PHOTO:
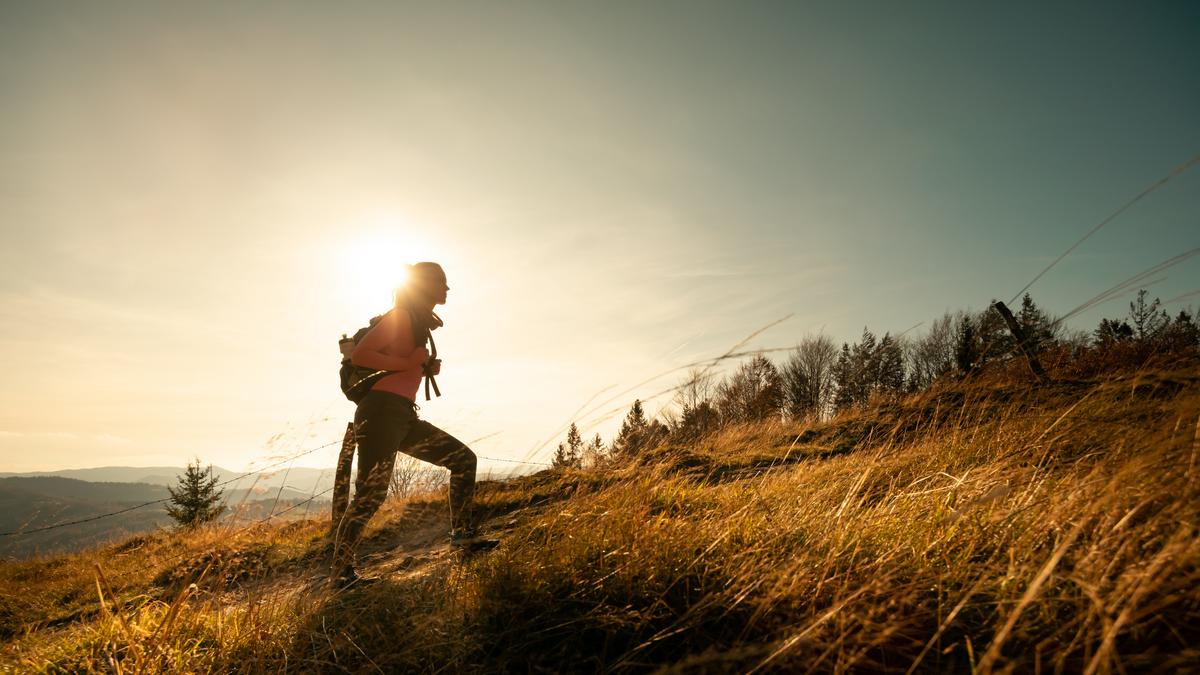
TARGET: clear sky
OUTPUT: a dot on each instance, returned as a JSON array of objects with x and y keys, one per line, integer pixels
[{"x": 198, "y": 199}]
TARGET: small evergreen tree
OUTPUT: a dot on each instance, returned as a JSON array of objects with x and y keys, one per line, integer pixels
[
  {"x": 966, "y": 349},
  {"x": 889, "y": 370},
  {"x": 194, "y": 499},
  {"x": 995, "y": 340},
  {"x": 696, "y": 421},
  {"x": 574, "y": 440},
  {"x": 843, "y": 377},
  {"x": 562, "y": 458},
  {"x": 1183, "y": 333},
  {"x": 631, "y": 435},
  {"x": 1112, "y": 330},
  {"x": 569, "y": 455},
  {"x": 1146, "y": 319},
  {"x": 1035, "y": 324},
  {"x": 863, "y": 362},
  {"x": 593, "y": 452}
]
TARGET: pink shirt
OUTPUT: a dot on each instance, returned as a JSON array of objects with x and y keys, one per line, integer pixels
[{"x": 390, "y": 346}]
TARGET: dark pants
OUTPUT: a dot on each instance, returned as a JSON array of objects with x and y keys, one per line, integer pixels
[{"x": 384, "y": 424}]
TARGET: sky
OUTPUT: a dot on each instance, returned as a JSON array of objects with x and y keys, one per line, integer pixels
[{"x": 198, "y": 199}]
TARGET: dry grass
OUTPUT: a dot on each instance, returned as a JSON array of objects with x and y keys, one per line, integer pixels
[{"x": 989, "y": 528}]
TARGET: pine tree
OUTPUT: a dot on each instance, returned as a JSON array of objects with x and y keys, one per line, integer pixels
[
  {"x": 1035, "y": 324},
  {"x": 889, "y": 376},
  {"x": 593, "y": 452},
  {"x": 194, "y": 500},
  {"x": 696, "y": 421},
  {"x": 1112, "y": 330},
  {"x": 1146, "y": 319},
  {"x": 966, "y": 350},
  {"x": 996, "y": 341},
  {"x": 571, "y": 454},
  {"x": 630, "y": 437},
  {"x": 1183, "y": 333},
  {"x": 864, "y": 367},
  {"x": 574, "y": 440},
  {"x": 843, "y": 377},
  {"x": 562, "y": 458}
]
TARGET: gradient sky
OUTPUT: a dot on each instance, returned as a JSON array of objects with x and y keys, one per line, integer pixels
[{"x": 197, "y": 200}]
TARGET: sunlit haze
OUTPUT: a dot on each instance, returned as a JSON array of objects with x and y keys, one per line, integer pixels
[{"x": 198, "y": 200}]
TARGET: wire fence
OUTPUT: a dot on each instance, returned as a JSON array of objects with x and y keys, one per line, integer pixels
[
  {"x": 586, "y": 413},
  {"x": 256, "y": 473},
  {"x": 597, "y": 413}
]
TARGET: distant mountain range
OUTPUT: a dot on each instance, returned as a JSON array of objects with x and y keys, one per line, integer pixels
[
  {"x": 36, "y": 500},
  {"x": 299, "y": 479}
]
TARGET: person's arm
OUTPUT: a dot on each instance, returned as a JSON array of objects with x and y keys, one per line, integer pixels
[{"x": 371, "y": 350}]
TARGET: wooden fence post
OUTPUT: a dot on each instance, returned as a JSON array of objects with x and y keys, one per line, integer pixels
[
  {"x": 1022, "y": 341},
  {"x": 341, "y": 481}
]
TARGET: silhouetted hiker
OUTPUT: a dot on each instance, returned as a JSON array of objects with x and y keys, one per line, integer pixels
[{"x": 386, "y": 419}]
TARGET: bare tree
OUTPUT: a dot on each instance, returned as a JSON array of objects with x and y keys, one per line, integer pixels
[
  {"x": 807, "y": 378},
  {"x": 933, "y": 354},
  {"x": 698, "y": 387},
  {"x": 696, "y": 416},
  {"x": 410, "y": 477}
]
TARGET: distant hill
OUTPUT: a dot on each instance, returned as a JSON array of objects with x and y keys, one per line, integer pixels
[
  {"x": 300, "y": 479},
  {"x": 32, "y": 502},
  {"x": 70, "y": 488}
]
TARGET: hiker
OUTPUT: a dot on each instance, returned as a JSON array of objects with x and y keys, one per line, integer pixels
[{"x": 386, "y": 419}]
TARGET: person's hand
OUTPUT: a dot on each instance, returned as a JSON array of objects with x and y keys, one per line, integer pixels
[{"x": 433, "y": 367}]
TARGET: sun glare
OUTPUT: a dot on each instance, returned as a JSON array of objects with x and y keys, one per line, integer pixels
[{"x": 374, "y": 256}]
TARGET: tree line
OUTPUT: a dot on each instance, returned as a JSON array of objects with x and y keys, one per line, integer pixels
[{"x": 818, "y": 379}]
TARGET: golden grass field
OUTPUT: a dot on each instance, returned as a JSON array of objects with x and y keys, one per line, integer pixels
[{"x": 993, "y": 526}]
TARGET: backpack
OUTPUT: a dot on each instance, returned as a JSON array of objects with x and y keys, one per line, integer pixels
[{"x": 356, "y": 381}]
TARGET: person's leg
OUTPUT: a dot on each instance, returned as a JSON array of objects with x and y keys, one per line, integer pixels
[
  {"x": 380, "y": 425},
  {"x": 430, "y": 444}
]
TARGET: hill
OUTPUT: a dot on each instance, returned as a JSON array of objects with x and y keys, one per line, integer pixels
[
  {"x": 990, "y": 526},
  {"x": 32, "y": 503},
  {"x": 300, "y": 479}
]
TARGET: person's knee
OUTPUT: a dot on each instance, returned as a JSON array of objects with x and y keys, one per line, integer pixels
[{"x": 463, "y": 461}]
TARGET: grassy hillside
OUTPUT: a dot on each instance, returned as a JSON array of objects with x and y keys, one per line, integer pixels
[{"x": 993, "y": 526}]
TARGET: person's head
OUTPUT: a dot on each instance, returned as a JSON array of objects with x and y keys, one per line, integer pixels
[{"x": 425, "y": 285}]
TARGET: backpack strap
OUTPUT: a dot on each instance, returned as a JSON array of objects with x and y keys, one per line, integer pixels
[
  {"x": 422, "y": 329},
  {"x": 429, "y": 379}
]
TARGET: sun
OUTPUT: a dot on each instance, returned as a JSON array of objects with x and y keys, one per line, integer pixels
[{"x": 374, "y": 258}]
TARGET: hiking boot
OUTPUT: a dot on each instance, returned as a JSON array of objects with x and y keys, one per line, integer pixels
[
  {"x": 469, "y": 539},
  {"x": 348, "y": 577}
]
